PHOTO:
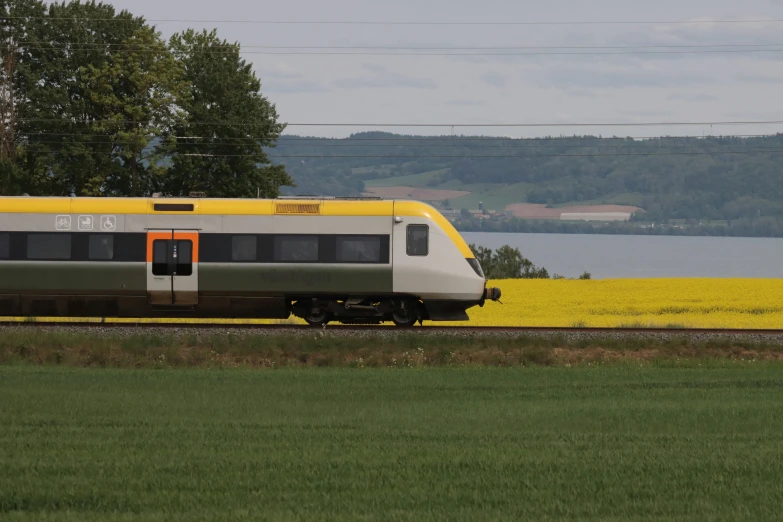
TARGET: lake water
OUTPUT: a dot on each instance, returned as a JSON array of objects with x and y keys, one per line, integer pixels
[{"x": 614, "y": 256}]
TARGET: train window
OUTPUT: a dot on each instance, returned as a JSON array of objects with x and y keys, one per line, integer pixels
[
  {"x": 160, "y": 257},
  {"x": 184, "y": 257},
  {"x": 5, "y": 245},
  {"x": 296, "y": 249},
  {"x": 418, "y": 240},
  {"x": 243, "y": 248},
  {"x": 358, "y": 249},
  {"x": 49, "y": 246},
  {"x": 101, "y": 247}
]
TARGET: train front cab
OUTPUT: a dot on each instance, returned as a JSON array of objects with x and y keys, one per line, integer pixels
[{"x": 434, "y": 263}]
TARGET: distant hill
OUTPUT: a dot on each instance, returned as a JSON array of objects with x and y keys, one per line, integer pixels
[{"x": 715, "y": 179}]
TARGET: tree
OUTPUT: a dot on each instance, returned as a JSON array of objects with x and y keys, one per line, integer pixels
[
  {"x": 136, "y": 90},
  {"x": 507, "y": 263},
  {"x": 62, "y": 148},
  {"x": 484, "y": 257},
  {"x": 20, "y": 19},
  {"x": 219, "y": 147}
]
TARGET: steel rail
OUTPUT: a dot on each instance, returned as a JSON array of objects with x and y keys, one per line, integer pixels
[{"x": 384, "y": 328}]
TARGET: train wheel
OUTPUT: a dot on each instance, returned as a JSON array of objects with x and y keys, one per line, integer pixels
[
  {"x": 321, "y": 319},
  {"x": 406, "y": 315}
]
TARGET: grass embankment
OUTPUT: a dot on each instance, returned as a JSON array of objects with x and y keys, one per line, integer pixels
[
  {"x": 129, "y": 348},
  {"x": 616, "y": 443}
]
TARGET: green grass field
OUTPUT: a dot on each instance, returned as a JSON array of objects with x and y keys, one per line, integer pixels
[{"x": 610, "y": 443}]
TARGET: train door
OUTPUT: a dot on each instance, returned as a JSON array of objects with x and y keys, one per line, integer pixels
[
  {"x": 410, "y": 248},
  {"x": 172, "y": 267}
]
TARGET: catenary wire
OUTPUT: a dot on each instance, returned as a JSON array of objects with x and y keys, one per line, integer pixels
[
  {"x": 290, "y": 138},
  {"x": 122, "y": 45},
  {"x": 466, "y": 156},
  {"x": 456, "y": 125},
  {"x": 373, "y": 53},
  {"x": 390, "y": 22},
  {"x": 472, "y": 146}
]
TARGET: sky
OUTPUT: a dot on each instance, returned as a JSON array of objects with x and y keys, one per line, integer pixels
[{"x": 522, "y": 89}]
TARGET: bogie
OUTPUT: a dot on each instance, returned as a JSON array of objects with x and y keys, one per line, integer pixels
[{"x": 319, "y": 312}]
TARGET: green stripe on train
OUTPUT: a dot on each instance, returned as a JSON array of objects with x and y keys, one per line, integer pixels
[
  {"x": 110, "y": 277},
  {"x": 60, "y": 276},
  {"x": 295, "y": 278}
]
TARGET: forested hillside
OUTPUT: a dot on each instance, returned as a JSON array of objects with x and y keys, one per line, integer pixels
[{"x": 670, "y": 178}]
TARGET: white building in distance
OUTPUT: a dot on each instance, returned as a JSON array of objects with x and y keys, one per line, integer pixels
[{"x": 595, "y": 216}]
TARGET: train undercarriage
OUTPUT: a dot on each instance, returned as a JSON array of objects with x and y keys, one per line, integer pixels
[
  {"x": 403, "y": 311},
  {"x": 319, "y": 312}
]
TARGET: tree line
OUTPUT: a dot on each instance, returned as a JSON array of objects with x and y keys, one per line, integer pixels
[
  {"x": 509, "y": 263},
  {"x": 765, "y": 226},
  {"x": 95, "y": 103}
]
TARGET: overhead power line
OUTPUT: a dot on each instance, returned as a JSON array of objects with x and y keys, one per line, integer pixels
[
  {"x": 550, "y": 53},
  {"x": 478, "y": 52},
  {"x": 470, "y": 146},
  {"x": 125, "y": 45},
  {"x": 418, "y": 125},
  {"x": 528, "y": 156},
  {"x": 410, "y": 22},
  {"x": 418, "y": 51},
  {"x": 293, "y": 139},
  {"x": 462, "y": 156},
  {"x": 445, "y": 142},
  {"x": 498, "y": 125}
]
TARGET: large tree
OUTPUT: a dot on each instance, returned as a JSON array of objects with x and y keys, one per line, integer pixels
[
  {"x": 63, "y": 149},
  {"x": 91, "y": 88},
  {"x": 219, "y": 148},
  {"x": 136, "y": 92}
]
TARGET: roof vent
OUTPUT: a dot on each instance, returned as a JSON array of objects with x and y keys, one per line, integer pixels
[{"x": 297, "y": 208}]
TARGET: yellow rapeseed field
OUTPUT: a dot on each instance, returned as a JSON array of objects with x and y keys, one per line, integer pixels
[{"x": 702, "y": 303}]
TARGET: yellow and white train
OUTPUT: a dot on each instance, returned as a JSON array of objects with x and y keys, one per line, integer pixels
[{"x": 343, "y": 260}]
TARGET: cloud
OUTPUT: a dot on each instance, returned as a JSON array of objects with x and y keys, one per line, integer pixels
[
  {"x": 609, "y": 75},
  {"x": 695, "y": 97},
  {"x": 378, "y": 76},
  {"x": 465, "y": 103},
  {"x": 503, "y": 89},
  {"x": 495, "y": 79},
  {"x": 294, "y": 86}
]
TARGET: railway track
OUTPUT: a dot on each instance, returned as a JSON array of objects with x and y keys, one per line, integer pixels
[{"x": 425, "y": 330}]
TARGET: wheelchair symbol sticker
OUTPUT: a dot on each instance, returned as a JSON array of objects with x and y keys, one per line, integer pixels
[
  {"x": 62, "y": 223},
  {"x": 108, "y": 223}
]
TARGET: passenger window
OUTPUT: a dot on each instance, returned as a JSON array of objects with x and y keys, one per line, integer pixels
[
  {"x": 418, "y": 240},
  {"x": 49, "y": 246},
  {"x": 358, "y": 249},
  {"x": 101, "y": 247},
  {"x": 243, "y": 248},
  {"x": 183, "y": 257},
  {"x": 5, "y": 245},
  {"x": 160, "y": 257},
  {"x": 296, "y": 249}
]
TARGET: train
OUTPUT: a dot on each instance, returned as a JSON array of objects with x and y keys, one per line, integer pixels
[{"x": 341, "y": 260}]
